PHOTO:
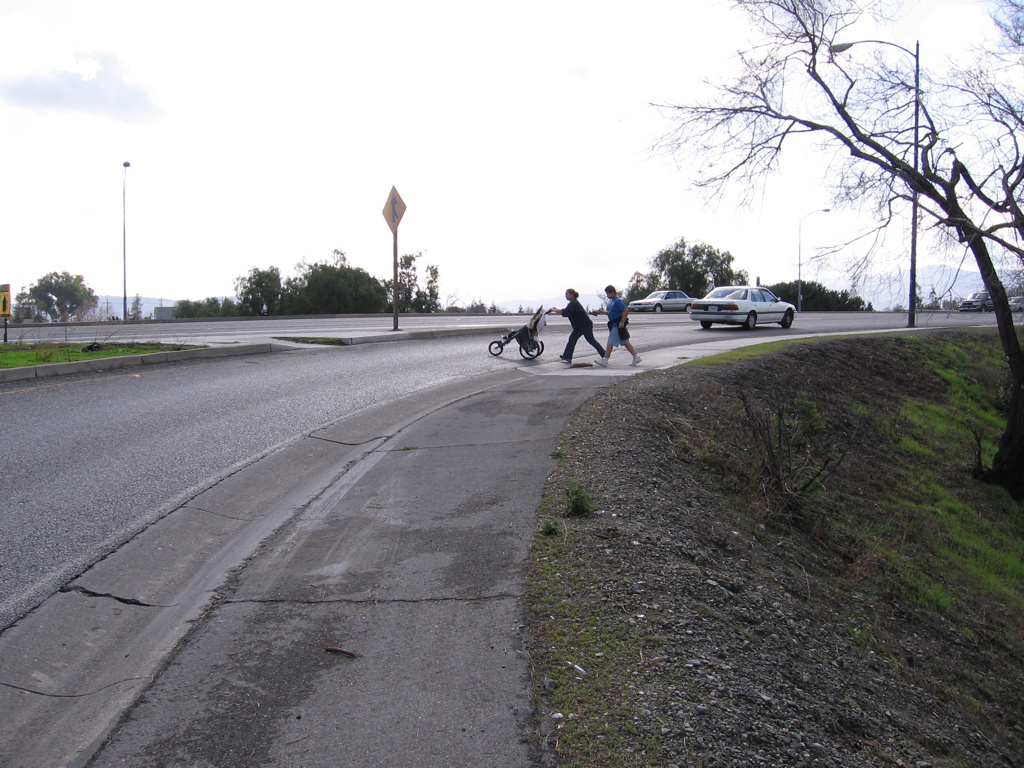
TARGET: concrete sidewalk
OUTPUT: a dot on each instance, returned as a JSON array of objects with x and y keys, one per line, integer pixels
[
  {"x": 353, "y": 599},
  {"x": 413, "y": 561}
]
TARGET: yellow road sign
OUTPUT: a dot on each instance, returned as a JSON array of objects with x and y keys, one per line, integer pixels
[
  {"x": 5, "y": 300},
  {"x": 394, "y": 208}
]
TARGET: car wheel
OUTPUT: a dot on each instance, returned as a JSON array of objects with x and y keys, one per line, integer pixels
[
  {"x": 705, "y": 324},
  {"x": 686, "y": 308},
  {"x": 787, "y": 319},
  {"x": 657, "y": 307},
  {"x": 496, "y": 348},
  {"x": 750, "y": 322}
]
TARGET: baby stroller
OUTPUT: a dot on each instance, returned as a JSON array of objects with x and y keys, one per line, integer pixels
[{"x": 530, "y": 346}]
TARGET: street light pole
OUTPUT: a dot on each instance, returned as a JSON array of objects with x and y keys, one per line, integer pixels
[
  {"x": 124, "y": 238},
  {"x": 912, "y": 311},
  {"x": 800, "y": 257},
  {"x": 916, "y": 53}
]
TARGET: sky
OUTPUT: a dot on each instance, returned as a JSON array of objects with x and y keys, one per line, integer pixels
[{"x": 259, "y": 134}]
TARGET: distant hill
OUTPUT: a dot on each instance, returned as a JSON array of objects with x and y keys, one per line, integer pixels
[
  {"x": 888, "y": 290},
  {"x": 112, "y": 306},
  {"x": 588, "y": 300}
]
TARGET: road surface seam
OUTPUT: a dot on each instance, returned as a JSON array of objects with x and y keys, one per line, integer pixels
[{"x": 369, "y": 600}]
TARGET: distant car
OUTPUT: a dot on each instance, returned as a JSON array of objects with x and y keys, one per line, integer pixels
[
  {"x": 1017, "y": 303},
  {"x": 746, "y": 305},
  {"x": 979, "y": 301},
  {"x": 662, "y": 301}
]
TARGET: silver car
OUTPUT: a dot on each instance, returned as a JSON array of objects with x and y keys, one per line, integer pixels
[
  {"x": 746, "y": 305},
  {"x": 1017, "y": 303},
  {"x": 979, "y": 301},
  {"x": 662, "y": 301}
]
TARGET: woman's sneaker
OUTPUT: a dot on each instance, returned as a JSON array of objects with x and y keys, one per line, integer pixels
[
  {"x": 603, "y": 361},
  {"x": 565, "y": 359},
  {"x": 637, "y": 360}
]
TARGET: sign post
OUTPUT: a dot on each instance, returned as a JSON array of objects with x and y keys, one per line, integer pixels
[
  {"x": 5, "y": 305},
  {"x": 394, "y": 209}
]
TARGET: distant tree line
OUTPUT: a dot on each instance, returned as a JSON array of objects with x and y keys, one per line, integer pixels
[
  {"x": 331, "y": 287},
  {"x": 819, "y": 298},
  {"x": 694, "y": 268}
]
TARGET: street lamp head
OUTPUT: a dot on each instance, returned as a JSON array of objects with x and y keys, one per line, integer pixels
[
  {"x": 126, "y": 164},
  {"x": 842, "y": 47},
  {"x": 820, "y": 210}
]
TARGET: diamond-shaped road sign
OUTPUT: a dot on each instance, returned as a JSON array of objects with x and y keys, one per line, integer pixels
[{"x": 394, "y": 208}]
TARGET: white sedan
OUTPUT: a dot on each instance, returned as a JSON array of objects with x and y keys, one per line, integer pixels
[
  {"x": 662, "y": 301},
  {"x": 745, "y": 305}
]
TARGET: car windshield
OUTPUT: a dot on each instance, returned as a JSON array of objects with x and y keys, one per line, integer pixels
[
  {"x": 980, "y": 295},
  {"x": 657, "y": 295}
]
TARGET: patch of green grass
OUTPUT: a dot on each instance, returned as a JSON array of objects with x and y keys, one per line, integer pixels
[
  {"x": 21, "y": 355},
  {"x": 596, "y": 726},
  {"x": 743, "y": 353},
  {"x": 959, "y": 555},
  {"x": 552, "y": 528}
]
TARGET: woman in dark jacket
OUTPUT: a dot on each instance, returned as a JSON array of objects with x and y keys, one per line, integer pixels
[{"x": 582, "y": 325}]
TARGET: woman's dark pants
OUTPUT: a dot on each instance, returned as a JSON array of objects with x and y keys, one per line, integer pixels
[{"x": 587, "y": 334}]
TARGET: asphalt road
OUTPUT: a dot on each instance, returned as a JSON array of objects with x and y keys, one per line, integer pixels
[{"x": 91, "y": 460}]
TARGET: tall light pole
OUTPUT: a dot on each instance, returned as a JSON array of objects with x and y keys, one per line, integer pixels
[
  {"x": 124, "y": 237},
  {"x": 916, "y": 53},
  {"x": 800, "y": 257}
]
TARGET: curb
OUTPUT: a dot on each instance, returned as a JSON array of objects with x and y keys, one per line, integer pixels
[{"x": 437, "y": 333}]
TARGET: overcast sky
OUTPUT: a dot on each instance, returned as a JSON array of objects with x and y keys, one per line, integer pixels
[{"x": 259, "y": 134}]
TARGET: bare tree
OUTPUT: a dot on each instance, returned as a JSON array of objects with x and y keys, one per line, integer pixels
[{"x": 958, "y": 144}]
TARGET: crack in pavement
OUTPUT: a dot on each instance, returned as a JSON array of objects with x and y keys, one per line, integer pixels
[
  {"x": 69, "y": 695},
  {"x": 126, "y": 600},
  {"x": 214, "y": 514},
  {"x": 351, "y": 445}
]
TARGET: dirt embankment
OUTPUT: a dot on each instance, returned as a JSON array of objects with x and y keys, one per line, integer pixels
[{"x": 728, "y": 615}]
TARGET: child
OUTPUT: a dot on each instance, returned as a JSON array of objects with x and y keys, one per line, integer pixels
[{"x": 618, "y": 316}]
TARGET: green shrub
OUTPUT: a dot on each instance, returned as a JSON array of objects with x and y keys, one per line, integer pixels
[{"x": 580, "y": 504}]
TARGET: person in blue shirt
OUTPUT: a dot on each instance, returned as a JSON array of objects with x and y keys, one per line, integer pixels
[
  {"x": 618, "y": 334},
  {"x": 582, "y": 325}
]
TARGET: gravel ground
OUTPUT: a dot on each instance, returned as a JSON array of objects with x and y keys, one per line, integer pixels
[{"x": 694, "y": 620}]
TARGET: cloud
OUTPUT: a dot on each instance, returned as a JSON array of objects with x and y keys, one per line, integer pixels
[{"x": 104, "y": 90}]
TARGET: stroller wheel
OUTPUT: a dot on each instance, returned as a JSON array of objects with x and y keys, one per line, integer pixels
[
  {"x": 529, "y": 349},
  {"x": 541, "y": 345},
  {"x": 496, "y": 348}
]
